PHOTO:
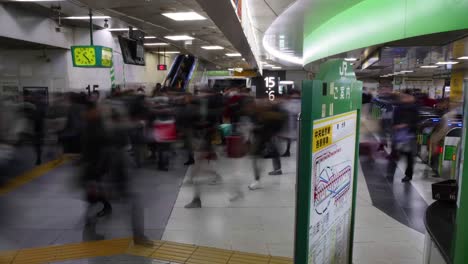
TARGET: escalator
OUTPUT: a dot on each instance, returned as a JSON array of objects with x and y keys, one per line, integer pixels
[{"x": 181, "y": 72}]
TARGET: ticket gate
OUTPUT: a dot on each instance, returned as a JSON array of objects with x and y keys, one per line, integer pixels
[
  {"x": 443, "y": 158},
  {"x": 424, "y": 131}
]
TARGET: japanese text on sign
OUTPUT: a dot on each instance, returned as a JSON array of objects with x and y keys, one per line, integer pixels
[{"x": 322, "y": 138}]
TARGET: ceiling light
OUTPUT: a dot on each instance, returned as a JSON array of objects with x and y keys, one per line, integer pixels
[
  {"x": 281, "y": 55},
  {"x": 276, "y": 67},
  {"x": 38, "y": 0},
  {"x": 212, "y": 47},
  {"x": 233, "y": 54},
  {"x": 231, "y": 69},
  {"x": 350, "y": 59},
  {"x": 429, "y": 66},
  {"x": 150, "y": 37},
  {"x": 447, "y": 62},
  {"x": 184, "y": 16},
  {"x": 157, "y": 44},
  {"x": 168, "y": 52},
  {"x": 286, "y": 82},
  {"x": 463, "y": 58},
  {"x": 406, "y": 71},
  {"x": 86, "y": 17},
  {"x": 120, "y": 29},
  {"x": 179, "y": 37}
]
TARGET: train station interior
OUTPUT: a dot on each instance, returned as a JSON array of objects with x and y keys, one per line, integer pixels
[{"x": 233, "y": 131}]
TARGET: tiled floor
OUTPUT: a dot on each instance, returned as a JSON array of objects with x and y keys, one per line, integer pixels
[
  {"x": 263, "y": 221},
  {"x": 248, "y": 224},
  {"x": 49, "y": 211}
]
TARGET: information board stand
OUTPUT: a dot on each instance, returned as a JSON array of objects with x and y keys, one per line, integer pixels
[{"x": 327, "y": 165}]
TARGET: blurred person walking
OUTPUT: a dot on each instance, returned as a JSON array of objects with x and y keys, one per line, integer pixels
[
  {"x": 93, "y": 161},
  {"x": 118, "y": 178},
  {"x": 292, "y": 106},
  {"x": 209, "y": 114},
  {"x": 269, "y": 119},
  {"x": 405, "y": 118}
]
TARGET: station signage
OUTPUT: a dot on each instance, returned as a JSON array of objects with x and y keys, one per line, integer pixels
[{"x": 327, "y": 167}]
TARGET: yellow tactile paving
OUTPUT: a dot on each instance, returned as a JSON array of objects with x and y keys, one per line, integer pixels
[
  {"x": 33, "y": 174},
  {"x": 7, "y": 257},
  {"x": 174, "y": 252},
  {"x": 247, "y": 258},
  {"x": 166, "y": 251},
  {"x": 143, "y": 251},
  {"x": 207, "y": 255}
]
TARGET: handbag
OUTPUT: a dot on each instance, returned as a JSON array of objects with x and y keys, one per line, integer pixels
[{"x": 164, "y": 131}]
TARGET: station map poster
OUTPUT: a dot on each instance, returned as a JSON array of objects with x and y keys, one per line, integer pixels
[
  {"x": 333, "y": 144},
  {"x": 328, "y": 157}
]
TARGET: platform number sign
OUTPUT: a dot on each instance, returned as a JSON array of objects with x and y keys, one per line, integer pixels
[{"x": 270, "y": 84}]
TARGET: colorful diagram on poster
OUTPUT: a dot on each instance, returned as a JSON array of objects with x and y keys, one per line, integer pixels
[{"x": 333, "y": 159}]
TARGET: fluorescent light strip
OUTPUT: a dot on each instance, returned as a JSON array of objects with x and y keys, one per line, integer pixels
[
  {"x": 86, "y": 17},
  {"x": 429, "y": 66},
  {"x": 463, "y": 58},
  {"x": 169, "y": 52},
  {"x": 212, "y": 47},
  {"x": 233, "y": 54},
  {"x": 447, "y": 62},
  {"x": 350, "y": 59},
  {"x": 120, "y": 29},
  {"x": 184, "y": 16},
  {"x": 38, "y": 0},
  {"x": 150, "y": 37},
  {"x": 276, "y": 67},
  {"x": 156, "y": 44},
  {"x": 179, "y": 37},
  {"x": 406, "y": 71}
]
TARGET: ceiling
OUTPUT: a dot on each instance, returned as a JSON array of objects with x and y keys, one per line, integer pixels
[
  {"x": 411, "y": 54},
  {"x": 263, "y": 14},
  {"x": 146, "y": 16}
]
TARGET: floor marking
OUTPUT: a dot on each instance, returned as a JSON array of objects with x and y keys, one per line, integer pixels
[
  {"x": 161, "y": 250},
  {"x": 32, "y": 174}
]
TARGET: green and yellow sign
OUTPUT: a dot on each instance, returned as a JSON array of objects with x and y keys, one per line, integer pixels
[
  {"x": 327, "y": 170},
  {"x": 92, "y": 56}
]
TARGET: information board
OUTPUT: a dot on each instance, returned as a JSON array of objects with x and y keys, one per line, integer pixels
[
  {"x": 328, "y": 157},
  {"x": 333, "y": 159}
]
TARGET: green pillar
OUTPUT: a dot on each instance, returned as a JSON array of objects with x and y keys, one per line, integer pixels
[
  {"x": 328, "y": 162},
  {"x": 461, "y": 235}
]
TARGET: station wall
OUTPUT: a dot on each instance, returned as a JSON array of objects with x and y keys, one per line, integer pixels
[{"x": 52, "y": 67}]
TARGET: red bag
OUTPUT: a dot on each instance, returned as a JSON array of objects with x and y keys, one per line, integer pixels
[
  {"x": 164, "y": 131},
  {"x": 236, "y": 147}
]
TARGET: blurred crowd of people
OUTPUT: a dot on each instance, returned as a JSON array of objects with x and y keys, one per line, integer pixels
[
  {"x": 134, "y": 127},
  {"x": 401, "y": 113}
]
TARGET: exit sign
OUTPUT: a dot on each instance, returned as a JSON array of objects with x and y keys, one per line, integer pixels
[{"x": 162, "y": 67}]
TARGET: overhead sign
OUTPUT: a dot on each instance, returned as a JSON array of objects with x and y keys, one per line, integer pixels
[
  {"x": 92, "y": 56},
  {"x": 327, "y": 165},
  {"x": 162, "y": 67}
]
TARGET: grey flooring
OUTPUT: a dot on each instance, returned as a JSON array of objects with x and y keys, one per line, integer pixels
[{"x": 50, "y": 210}]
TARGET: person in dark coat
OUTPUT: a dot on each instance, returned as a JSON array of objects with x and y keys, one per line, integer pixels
[{"x": 405, "y": 119}]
